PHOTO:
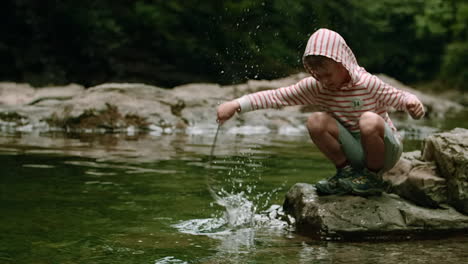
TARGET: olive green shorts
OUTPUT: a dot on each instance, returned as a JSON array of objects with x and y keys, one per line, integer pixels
[{"x": 352, "y": 148}]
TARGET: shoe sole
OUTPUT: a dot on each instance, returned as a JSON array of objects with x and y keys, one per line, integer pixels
[
  {"x": 323, "y": 193},
  {"x": 369, "y": 192},
  {"x": 334, "y": 193}
]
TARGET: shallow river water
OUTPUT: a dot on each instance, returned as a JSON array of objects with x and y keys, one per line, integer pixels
[{"x": 161, "y": 199}]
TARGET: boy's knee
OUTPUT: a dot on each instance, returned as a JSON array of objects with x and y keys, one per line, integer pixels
[
  {"x": 370, "y": 123},
  {"x": 318, "y": 122}
]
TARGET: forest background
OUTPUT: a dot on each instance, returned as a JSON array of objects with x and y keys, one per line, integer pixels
[{"x": 172, "y": 42}]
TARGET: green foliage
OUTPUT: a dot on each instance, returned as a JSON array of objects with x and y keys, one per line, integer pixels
[
  {"x": 454, "y": 68},
  {"x": 173, "y": 42},
  {"x": 446, "y": 20}
]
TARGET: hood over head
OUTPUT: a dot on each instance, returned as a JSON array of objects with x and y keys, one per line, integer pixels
[{"x": 328, "y": 43}]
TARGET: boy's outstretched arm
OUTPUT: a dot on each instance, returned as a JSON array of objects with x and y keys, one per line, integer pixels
[
  {"x": 415, "y": 108},
  {"x": 399, "y": 99},
  {"x": 226, "y": 110},
  {"x": 300, "y": 93}
]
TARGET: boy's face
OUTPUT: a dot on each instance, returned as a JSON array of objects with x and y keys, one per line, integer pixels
[{"x": 333, "y": 75}]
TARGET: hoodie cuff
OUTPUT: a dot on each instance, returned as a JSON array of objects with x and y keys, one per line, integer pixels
[
  {"x": 408, "y": 97},
  {"x": 244, "y": 103}
]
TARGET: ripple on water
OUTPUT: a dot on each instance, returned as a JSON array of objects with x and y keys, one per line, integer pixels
[
  {"x": 169, "y": 260},
  {"x": 38, "y": 166},
  {"x": 129, "y": 169}
]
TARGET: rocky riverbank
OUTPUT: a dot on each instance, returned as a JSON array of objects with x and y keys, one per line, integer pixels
[
  {"x": 117, "y": 107},
  {"x": 429, "y": 197}
]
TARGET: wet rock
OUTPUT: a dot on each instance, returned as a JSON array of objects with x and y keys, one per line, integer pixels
[
  {"x": 15, "y": 93},
  {"x": 417, "y": 181},
  {"x": 201, "y": 101},
  {"x": 436, "y": 176},
  {"x": 31, "y": 106},
  {"x": 23, "y": 94},
  {"x": 178, "y": 109},
  {"x": 138, "y": 101},
  {"x": 56, "y": 94},
  {"x": 378, "y": 217},
  {"x": 449, "y": 151},
  {"x": 109, "y": 119}
]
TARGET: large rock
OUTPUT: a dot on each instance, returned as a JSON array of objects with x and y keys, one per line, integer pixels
[
  {"x": 378, "y": 217},
  {"x": 25, "y": 108},
  {"x": 449, "y": 151},
  {"x": 117, "y": 106},
  {"x": 438, "y": 175},
  {"x": 417, "y": 181},
  {"x": 24, "y": 94},
  {"x": 152, "y": 104}
]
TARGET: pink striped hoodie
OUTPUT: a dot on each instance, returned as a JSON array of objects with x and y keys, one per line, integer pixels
[{"x": 364, "y": 93}]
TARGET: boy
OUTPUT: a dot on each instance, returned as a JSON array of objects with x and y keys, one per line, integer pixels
[{"x": 353, "y": 129}]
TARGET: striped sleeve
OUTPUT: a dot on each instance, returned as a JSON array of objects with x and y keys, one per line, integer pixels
[
  {"x": 388, "y": 95},
  {"x": 301, "y": 93}
]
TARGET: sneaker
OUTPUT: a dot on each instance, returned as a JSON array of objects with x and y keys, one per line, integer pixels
[
  {"x": 365, "y": 183},
  {"x": 331, "y": 185}
]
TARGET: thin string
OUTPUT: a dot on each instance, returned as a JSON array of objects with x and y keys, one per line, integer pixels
[
  {"x": 213, "y": 145},
  {"x": 210, "y": 166}
]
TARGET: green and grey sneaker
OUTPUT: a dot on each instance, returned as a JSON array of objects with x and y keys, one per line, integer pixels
[
  {"x": 331, "y": 185},
  {"x": 365, "y": 183}
]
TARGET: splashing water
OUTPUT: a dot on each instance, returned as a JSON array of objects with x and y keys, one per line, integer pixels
[
  {"x": 238, "y": 227},
  {"x": 239, "y": 210},
  {"x": 240, "y": 213},
  {"x": 238, "y": 224}
]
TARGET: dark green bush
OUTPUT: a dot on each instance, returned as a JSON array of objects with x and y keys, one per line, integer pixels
[
  {"x": 167, "y": 43},
  {"x": 454, "y": 67}
]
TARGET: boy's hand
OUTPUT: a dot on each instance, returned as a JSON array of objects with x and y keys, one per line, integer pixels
[
  {"x": 415, "y": 108},
  {"x": 227, "y": 110}
]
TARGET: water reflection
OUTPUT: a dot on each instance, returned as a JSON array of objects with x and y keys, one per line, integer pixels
[{"x": 314, "y": 254}]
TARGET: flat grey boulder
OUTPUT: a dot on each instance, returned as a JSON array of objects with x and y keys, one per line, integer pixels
[{"x": 378, "y": 217}]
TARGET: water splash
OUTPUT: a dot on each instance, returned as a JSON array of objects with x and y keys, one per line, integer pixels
[
  {"x": 239, "y": 226},
  {"x": 239, "y": 211},
  {"x": 242, "y": 218},
  {"x": 239, "y": 214}
]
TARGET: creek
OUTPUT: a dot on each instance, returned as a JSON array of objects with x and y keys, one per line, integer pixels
[{"x": 118, "y": 198}]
